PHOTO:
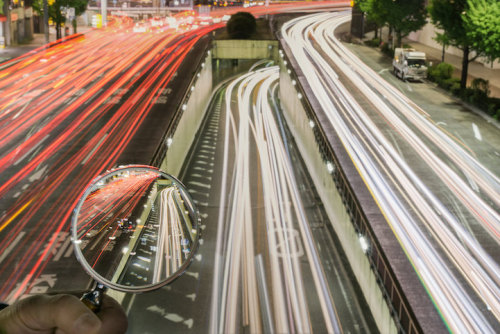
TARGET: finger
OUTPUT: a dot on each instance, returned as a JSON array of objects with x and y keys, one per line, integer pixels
[
  {"x": 39, "y": 313},
  {"x": 113, "y": 317}
]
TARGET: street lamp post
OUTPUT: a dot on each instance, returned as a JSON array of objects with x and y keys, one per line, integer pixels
[
  {"x": 46, "y": 20},
  {"x": 104, "y": 11}
]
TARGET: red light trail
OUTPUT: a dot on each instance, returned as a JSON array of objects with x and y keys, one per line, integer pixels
[{"x": 66, "y": 114}]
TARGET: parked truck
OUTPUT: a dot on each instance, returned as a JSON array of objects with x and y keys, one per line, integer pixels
[{"x": 409, "y": 64}]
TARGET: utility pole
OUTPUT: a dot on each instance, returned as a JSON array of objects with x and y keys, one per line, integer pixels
[
  {"x": 6, "y": 12},
  {"x": 46, "y": 20},
  {"x": 104, "y": 11}
]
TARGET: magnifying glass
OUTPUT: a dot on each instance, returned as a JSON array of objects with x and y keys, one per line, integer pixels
[{"x": 135, "y": 229}]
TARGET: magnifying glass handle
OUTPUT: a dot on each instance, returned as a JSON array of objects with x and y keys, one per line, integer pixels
[{"x": 93, "y": 299}]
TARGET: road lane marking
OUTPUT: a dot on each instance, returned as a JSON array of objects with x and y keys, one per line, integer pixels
[
  {"x": 477, "y": 133},
  {"x": 11, "y": 246},
  {"x": 31, "y": 150},
  {"x": 199, "y": 184},
  {"x": 15, "y": 215},
  {"x": 94, "y": 149},
  {"x": 472, "y": 183}
]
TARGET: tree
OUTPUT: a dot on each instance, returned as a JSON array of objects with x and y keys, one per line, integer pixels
[
  {"x": 405, "y": 16},
  {"x": 241, "y": 25},
  {"x": 374, "y": 10},
  {"x": 402, "y": 16},
  {"x": 55, "y": 13},
  {"x": 482, "y": 23},
  {"x": 448, "y": 15},
  {"x": 443, "y": 40}
]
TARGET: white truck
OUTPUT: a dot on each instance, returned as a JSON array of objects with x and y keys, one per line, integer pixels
[{"x": 409, "y": 64}]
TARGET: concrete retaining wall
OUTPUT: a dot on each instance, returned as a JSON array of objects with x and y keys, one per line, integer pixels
[
  {"x": 245, "y": 49},
  {"x": 198, "y": 95},
  {"x": 195, "y": 105},
  {"x": 298, "y": 123}
]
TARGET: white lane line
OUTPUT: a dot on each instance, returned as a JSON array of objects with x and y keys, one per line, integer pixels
[
  {"x": 38, "y": 175},
  {"x": 477, "y": 133},
  {"x": 94, "y": 149},
  {"x": 199, "y": 184},
  {"x": 11, "y": 246},
  {"x": 31, "y": 150}
]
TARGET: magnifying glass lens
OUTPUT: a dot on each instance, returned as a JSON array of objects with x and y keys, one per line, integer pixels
[{"x": 135, "y": 229}]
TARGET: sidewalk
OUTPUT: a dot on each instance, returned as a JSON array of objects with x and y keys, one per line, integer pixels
[{"x": 14, "y": 51}]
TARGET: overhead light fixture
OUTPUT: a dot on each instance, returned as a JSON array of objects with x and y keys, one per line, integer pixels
[
  {"x": 330, "y": 167},
  {"x": 365, "y": 246}
]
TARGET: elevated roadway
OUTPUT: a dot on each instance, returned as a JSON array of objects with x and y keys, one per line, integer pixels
[
  {"x": 270, "y": 261},
  {"x": 396, "y": 172}
]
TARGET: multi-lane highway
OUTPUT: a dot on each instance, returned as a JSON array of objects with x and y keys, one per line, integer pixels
[
  {"x": 69, "y": 112},
  {"x": 415, "y": 170},
  {"x": 237, "y": 264},
  {"x": 269, "y": 261}
]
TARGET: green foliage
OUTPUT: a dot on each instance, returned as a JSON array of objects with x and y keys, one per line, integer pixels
[
  {"x": 451, "y": 84},
  {"x": 405, "y": 16},
  {"x": 479, "y": 91},
  {"x": 481, "y": 85},
  {"x": 55, "y": 9},
  {"x": 477, "y": 94},
  {"x": 454, "y": 87},
  {"x": 442, "y": 39},
  {"x": 387, "y": 50},
  {"x": 494, "y": 108},
  {"x": 447, "y": 15},
  {"x": 482, "y": 24},
  {"x": 440, "y": 72},
  {"x": 241, "y": 25},
  {"x": 375, "y": 10},
  {"x": 1, "y": 6},
  {"x": 442, "y": 75},
  {"x": 375, "y": 42}
]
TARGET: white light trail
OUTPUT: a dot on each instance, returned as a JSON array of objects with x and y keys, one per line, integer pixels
[
  {"x": 384, "y": 170},
  {"x": 283, "y": 210}
]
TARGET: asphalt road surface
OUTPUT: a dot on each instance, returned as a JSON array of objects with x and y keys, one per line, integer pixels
[{"x": 267, "y": 245}]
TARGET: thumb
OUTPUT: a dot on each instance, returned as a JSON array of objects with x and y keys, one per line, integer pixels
[{"x": 38, "y": 313}]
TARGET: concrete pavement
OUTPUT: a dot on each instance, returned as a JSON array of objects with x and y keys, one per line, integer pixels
[{"x": 14, "y": 51}]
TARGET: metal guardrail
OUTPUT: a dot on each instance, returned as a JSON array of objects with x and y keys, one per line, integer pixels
[{"x": 398, "y": 304}]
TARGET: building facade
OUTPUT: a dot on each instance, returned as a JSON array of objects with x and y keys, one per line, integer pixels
[{"x": 16, "y": 22}]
